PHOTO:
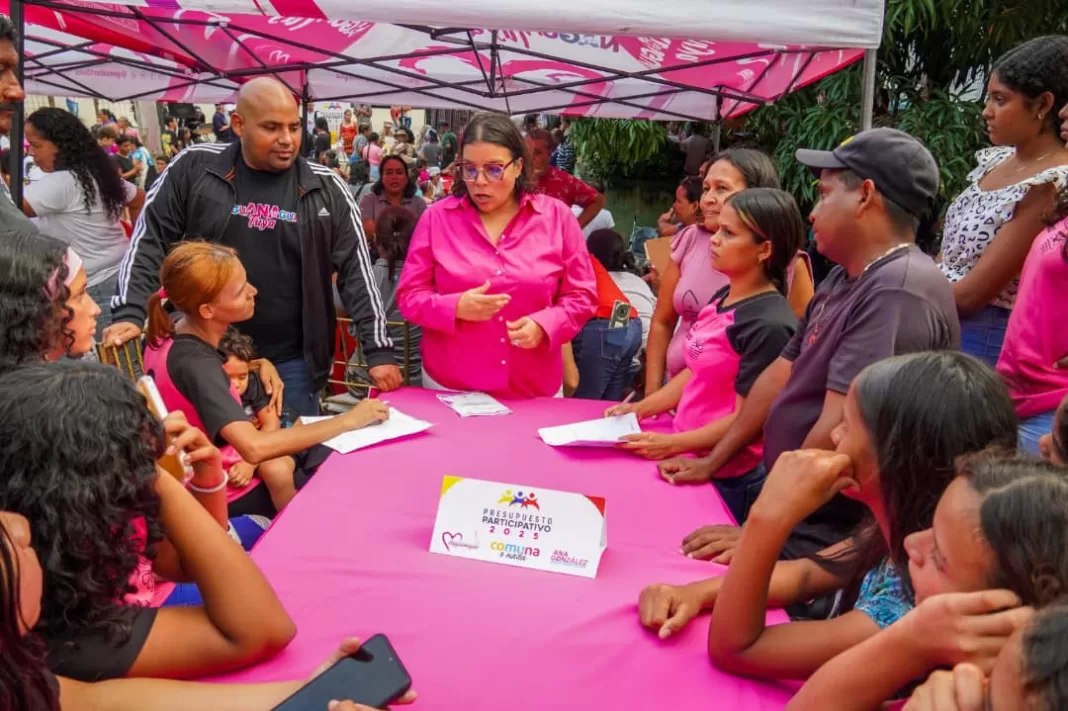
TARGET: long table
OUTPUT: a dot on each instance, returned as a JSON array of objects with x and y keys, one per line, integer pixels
[{"x": 349, "y": 556}]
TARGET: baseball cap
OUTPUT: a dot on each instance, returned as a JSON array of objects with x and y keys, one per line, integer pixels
[{"x": 899, "y": 164}]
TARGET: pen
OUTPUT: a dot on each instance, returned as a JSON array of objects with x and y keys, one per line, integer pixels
[{"x": 630, "y": 397}]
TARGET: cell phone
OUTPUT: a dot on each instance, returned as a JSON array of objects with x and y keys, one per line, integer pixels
[
  {"x": 373, "y": 392},
  {"x": 174, "y": 464},
  {"x": 373, "y": 676},
  {"x": 620, "y": 315}
]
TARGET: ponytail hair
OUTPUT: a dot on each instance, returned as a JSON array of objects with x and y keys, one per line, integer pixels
[
  {"x": 193, "y": 274},
  {"x": 608, "y": 247},
  {"x": 1023, "y": 517},
  {"x": 772, "y": 216}
]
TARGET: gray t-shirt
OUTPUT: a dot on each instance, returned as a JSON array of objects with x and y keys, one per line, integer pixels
[
  {"x": 431, "y": 153},
  {"x": 903, "y": 304},
  {"x": 10, "y": 216}
]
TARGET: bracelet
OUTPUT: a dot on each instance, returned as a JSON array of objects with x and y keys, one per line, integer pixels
[{"x": 218, "y": 487}]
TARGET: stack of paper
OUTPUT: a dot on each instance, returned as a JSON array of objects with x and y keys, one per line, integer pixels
[
  {"x": 603, "y": 432},
  {"x": 398, "y": 425},
  {"x": 474, "y": 404}
]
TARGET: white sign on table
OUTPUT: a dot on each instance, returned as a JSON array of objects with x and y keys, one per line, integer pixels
[
  {"x": 474, "y": 404},
  {"x": 398, "y": 425},
  {"x": 528, "y": 527},
  {"x": 602, "y": 432}
]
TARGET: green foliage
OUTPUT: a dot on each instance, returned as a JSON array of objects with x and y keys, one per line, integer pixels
[
  {"x": 619, "y": 148},
  {"x": 933, "y": 52}
]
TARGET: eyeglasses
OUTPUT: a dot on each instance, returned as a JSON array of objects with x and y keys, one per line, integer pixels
[{"x": 494, "y": 172}]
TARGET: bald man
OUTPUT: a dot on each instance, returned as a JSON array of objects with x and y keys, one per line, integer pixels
[{"x": 294, "y": 225}]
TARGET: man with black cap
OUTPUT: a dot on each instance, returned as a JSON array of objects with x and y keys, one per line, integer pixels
[{"x": 884, "y": 298}]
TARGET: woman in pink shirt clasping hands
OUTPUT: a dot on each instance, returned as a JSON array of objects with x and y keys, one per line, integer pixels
[{"x": 498, "y": 277}]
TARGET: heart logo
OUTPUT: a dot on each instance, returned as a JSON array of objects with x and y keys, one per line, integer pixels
[{"x": 447, "y": 538}]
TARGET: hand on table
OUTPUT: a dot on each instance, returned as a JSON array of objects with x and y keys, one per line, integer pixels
[
  {"x": 476, "y": 305},
  {"x": 525, "y": 333},
  {"x": 714, "y": 543},
  {"x": 368, "y": 412},
  {"x": 347, "y": 648},
  {"x": 241, "y": 474},
  {"x": 272, "y": 383},
  {"x": 625, "y": 408},
  {"x": 685, "y": 470},
  {"x": 666, "y": 609},
  {"x": 118, "y": 333},
  {"x": 651, "y": 445},
  {"x": 387, "y": 377},
  {"x": 962, "y": 689},
  {"x": 968, "y": 628},
  {"x": 801, "y": 482}
]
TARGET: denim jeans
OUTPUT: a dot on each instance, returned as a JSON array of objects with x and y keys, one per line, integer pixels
[
  {"x": 740, "y": 493},
  {"x": 299, "y": 394},
  {"x": 101, "y": 293},
  {"x": 605, "y": 358},
  {"x": 1032, "y": 429},
  {"x": 982, "y": 333}
]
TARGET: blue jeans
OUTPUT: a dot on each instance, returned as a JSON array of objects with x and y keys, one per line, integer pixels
[
  {"x": 101, "y": 293},
  {"x": 605, "y": 357},
  {"x": 741, "y": 492},
  {"x": 299, "y": 394},
  {"x": 247, "y": 530},
  {"x": 982, "y": 333},
  {"x": 1032, "y": 429}
]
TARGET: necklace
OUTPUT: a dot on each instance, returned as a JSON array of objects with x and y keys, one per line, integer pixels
[{"x": 887, "y": 253}]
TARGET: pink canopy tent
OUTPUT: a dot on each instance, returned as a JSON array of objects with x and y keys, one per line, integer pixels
[{"x": 189, "y": 50}]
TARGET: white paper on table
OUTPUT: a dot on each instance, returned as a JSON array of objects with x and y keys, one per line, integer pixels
[
  {"x": 603, "y": 432},
  {"x": 474, "y": 404},
  {"x": 398, "y": 425}
]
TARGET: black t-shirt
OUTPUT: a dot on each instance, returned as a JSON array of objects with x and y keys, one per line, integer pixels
[
  {"x": 124, "y": 164},
  {"x": 902, "y": 304},
  {"x": 322, "y": 143},
  {"x": 195, "y": 369},
  {"x": 94, "y": 657},
  {"x": 255, "y": 397},
  {"x": 263, "y": 229}
]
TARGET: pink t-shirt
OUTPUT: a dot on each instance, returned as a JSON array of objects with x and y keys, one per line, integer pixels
[
  {"x": 726, "y": 351},
  {"x": 373, "y": 154},
  {"x": 698, "y": 281},
  {"x": 162, "y": 366},
  {"x": 1035, "y": 338},
  {"x": 151, "y": 591}
]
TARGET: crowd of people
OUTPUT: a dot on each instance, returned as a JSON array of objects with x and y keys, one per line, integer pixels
[{"x": 891, "y": 442}]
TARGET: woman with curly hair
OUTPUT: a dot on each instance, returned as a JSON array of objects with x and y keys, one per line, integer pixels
[
  {"x": 1034, "y": 358},
  {"x": 80, "y": 447},
  {"x": 46, "y": 311},
  {"x": 81, "y": 199},
  {"x": 26, "y": 684}
]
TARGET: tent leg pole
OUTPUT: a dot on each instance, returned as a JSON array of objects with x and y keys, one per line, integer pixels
[
  {"x": 18, "y": 121},
  {"x": 717, "y": 134},
  {"x": 867, "y": 91},
  {"x": 304, "y": 117}
]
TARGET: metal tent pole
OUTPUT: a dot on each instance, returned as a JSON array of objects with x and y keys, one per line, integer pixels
[
  {"x": 18, "y": 119},
  {"x": 867, "y": 90},
  {"x": 304, "y": 130}
]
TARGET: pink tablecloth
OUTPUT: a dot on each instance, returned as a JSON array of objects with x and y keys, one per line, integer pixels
[{"x": 349, "y": 556}]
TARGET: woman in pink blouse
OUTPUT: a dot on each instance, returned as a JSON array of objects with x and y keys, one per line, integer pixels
[{"x": 498, "y": 277}]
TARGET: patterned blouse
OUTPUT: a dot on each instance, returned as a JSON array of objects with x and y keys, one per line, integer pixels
[
  {"x": 974, "y": 218},
  {"x": 883, "y": 596}
]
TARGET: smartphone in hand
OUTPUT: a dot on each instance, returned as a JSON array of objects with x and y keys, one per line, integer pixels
[
  {"x": 373, "y": 676},
  {"x": 174, "y": 464}
]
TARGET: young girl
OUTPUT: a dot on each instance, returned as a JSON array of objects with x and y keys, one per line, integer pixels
[
  {"x": 45, "y": 309},
  {"x": 208, "y": 285},
  {"x": 26, "y": 684},
  {"x": 741, "y": 331},
  {"x": 1030, "y": 673},
  {"x": 80, "y": 450},
  {"x": 1019, "y": 509},
  {"x": 905, "y": 420}
]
